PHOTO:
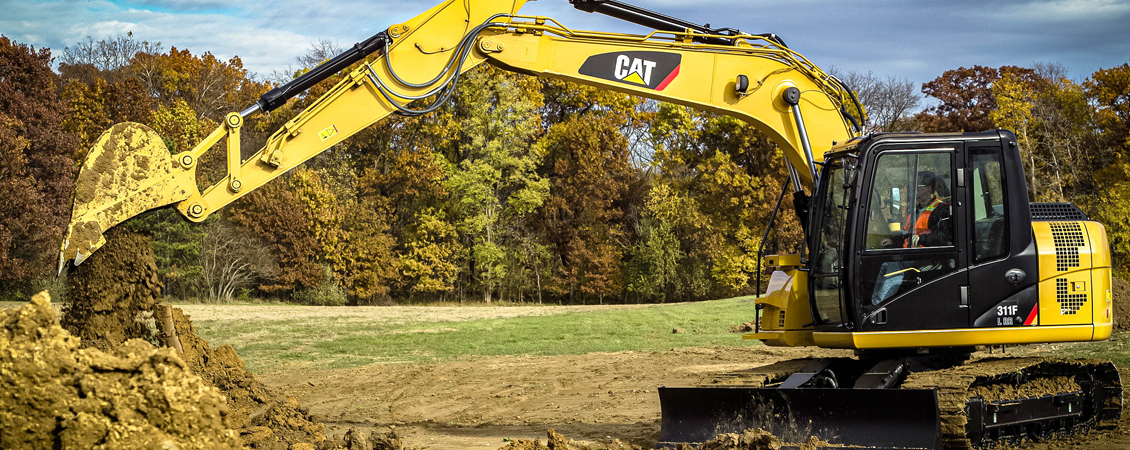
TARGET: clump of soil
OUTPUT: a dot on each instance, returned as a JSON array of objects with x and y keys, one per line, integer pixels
[
  {"x": 55, "y": 395},
  {"x": 752, "y": 439},
  {"x": 111, "y": 298},
  {"x": 745, "y": 327},
  {"x": 1120, "y": 297},
  {"x": 758, "y": 439},
  {"x": 356, "y": 439},
  {"x": 555, "y": 441}
]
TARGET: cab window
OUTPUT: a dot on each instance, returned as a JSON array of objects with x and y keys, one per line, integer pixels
[
  {"x": 990, "y": 223},
  {"x": 910, "y": 204}
]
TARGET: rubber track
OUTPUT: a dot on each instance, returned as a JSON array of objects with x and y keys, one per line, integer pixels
[{"x": 953, "y": 387}]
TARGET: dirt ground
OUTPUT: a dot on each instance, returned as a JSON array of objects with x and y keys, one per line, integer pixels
[
  {"x": 481, "y": 402},
  {"x": 596, "y": 397}
]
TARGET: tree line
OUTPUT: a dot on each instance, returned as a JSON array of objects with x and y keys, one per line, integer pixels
[{"x": 518, "y": 189}]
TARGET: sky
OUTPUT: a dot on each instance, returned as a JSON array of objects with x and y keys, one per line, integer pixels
[{"x": 915, "y": 40}]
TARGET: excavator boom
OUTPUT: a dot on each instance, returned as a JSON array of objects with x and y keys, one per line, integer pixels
[{"x": 737, "y": 74}]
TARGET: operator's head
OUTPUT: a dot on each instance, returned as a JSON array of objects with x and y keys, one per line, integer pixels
[{"x": 927, "y": 184}]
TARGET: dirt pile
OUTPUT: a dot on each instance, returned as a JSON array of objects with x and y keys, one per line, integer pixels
[
  {"x": 1120, "y": 297},
  {"x": 756, "y": 439},
  {"x": 111, "y": 297},
  {"x": 263, "y": 418},
  {"x": 55, "y": 395},
  {"x": 116, "y": 296}
]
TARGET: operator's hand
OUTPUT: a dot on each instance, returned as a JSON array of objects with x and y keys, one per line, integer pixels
[
  {"x": 886, "y": 243},
  {"x": 913, "y": 240}
]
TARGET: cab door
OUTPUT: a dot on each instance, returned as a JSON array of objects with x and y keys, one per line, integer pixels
[{"x": 912, "y": 267}]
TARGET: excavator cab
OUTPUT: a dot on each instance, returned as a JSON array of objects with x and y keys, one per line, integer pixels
[
  {"x": 924, "y": 241},
  {"x": 922, "y": 224}
]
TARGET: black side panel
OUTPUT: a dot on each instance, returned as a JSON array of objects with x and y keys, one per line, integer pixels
[{"x": 872, "y": 418}]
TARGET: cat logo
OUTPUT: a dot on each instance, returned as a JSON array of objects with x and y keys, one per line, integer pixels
[
  {"x": 634, "y": 70},
  {"x": 652, "y": 70}
]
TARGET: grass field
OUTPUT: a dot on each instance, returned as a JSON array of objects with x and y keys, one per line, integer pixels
[
  {"x": 284, "y": 337},
  {"x": 1115, "y": 349},
  {"x": 289, "y": 338}
]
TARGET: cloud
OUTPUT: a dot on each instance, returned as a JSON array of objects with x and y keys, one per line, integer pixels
[
  {"x": 914, "y": 40},
  {"x": 1069, "y": 11},
  {"x": 185, "y": 5}
]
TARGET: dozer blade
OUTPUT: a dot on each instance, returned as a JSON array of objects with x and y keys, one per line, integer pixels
[
  {"x": 128, "y": 171},
  {"x": 872, "y": 418}
]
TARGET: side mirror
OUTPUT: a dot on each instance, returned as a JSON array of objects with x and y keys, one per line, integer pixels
[
  {"x": 896, "y": 201},
  {"x": 896, "y": 209}
]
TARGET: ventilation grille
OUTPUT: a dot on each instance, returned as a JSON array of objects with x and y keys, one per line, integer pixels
[
  {"x": 1044, "y": 212},
  {"x": 1068, "y": 237},
  {"x": 781, "y": 323},
  {"x": 1068, "y": 303}
]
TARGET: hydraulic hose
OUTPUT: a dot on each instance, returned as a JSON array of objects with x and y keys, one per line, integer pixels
[{"x": 446, "y": 88}]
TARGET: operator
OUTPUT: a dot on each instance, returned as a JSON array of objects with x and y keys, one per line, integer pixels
[{"x": 930, "y": 225}]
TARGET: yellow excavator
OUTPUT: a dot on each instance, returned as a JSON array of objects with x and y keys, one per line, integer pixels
[{"x": 918, "y": 247}]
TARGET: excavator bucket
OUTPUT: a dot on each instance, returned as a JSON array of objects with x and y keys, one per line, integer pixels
[
  {"x": 900, "y": 419},
  {"x": 129, "y": 170}
]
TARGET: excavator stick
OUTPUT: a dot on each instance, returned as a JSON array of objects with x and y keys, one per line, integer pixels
[
  {"x": 129, "y": 170},
  {"x": 892, "y": 419}
]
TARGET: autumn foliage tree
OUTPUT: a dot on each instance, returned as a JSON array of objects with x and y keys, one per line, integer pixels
[
  {"x": 1110, "y": 89},
  {"x": 587, "y": 159},
  {"x": 519, "y": 188},
  {"x": 36, "y": 169},
  {"x": 210, "y": 86},
  {"x": 274, "y": 214},
  {"x": 97, "y": 105},
  {"x": 495, "y": 180},
  {"x": 965, "y": 98}
]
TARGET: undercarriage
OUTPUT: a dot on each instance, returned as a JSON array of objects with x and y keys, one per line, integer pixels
[{"x": 900, "y": 401}]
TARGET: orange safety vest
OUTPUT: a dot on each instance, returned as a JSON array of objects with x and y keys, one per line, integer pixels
[{"x": 920, "y": 225}]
